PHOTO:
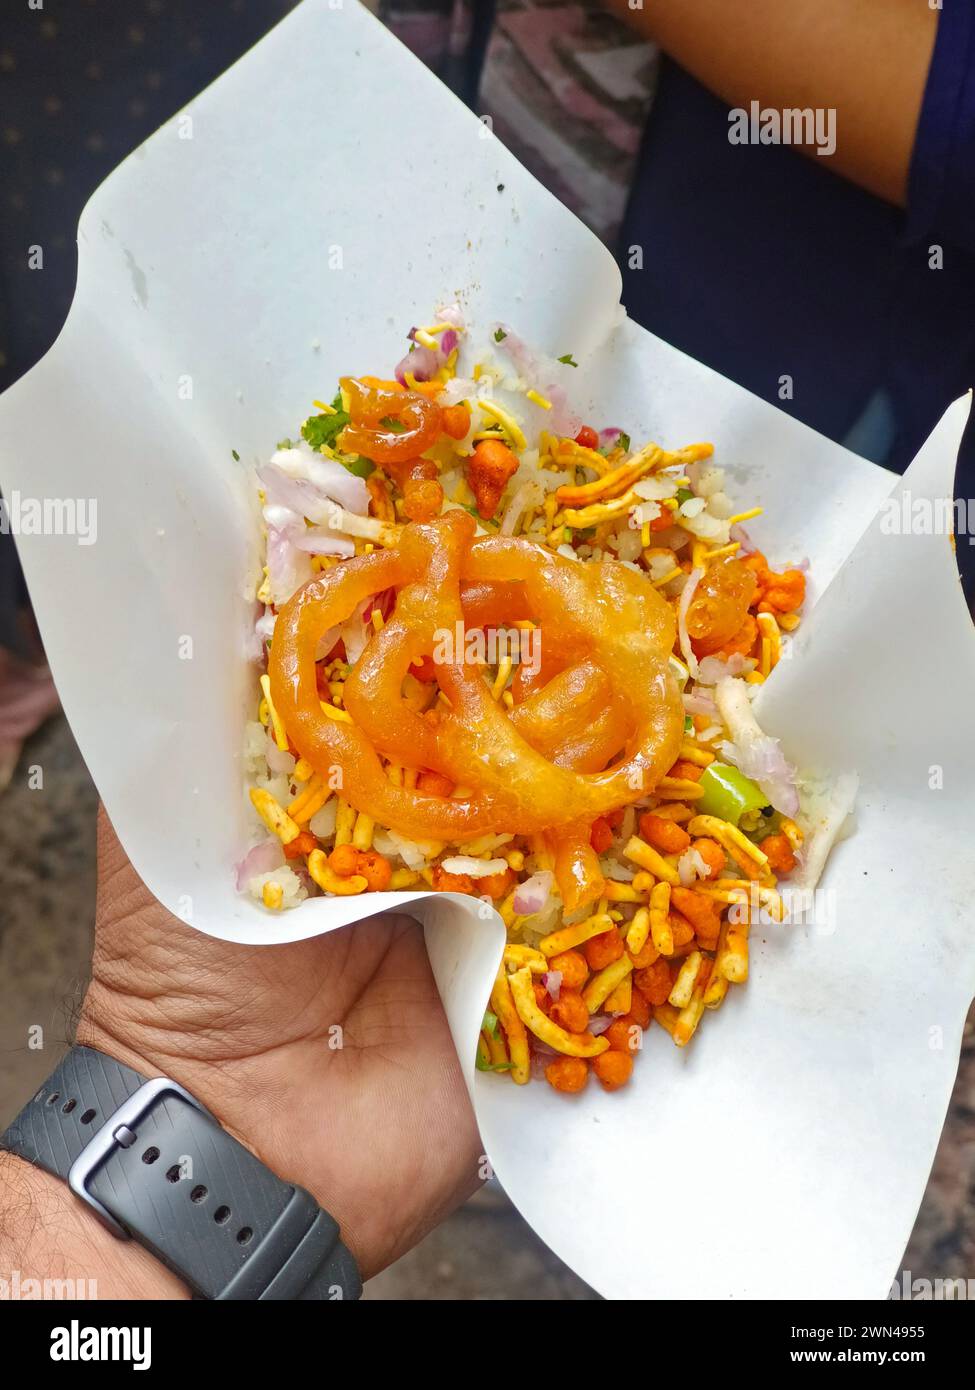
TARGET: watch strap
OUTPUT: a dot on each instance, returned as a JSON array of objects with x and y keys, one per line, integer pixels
[{"x": 154, "y": 1165}]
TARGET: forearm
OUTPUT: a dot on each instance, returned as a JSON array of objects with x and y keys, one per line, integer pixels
[
  {"x": 47, "y": 1235},
  {"x": 866, "y": 59}
]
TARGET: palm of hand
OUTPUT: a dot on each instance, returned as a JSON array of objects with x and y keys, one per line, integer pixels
[{"x": 331, "y": 1058}]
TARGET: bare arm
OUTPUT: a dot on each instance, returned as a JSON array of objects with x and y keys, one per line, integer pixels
[
  {"x": 867, "y": 59},
  {"x": 50, "y": 1242}
]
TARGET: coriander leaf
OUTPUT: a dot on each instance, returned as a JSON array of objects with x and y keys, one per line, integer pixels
[
  {"x": 236, "y": 455},
  {"x": 684, "y": 494},
  {"x": 499, "y": 335},
  {"x": 568, "y": 360},
  {"x": 624, "y": 441},
  {"x": 490, "y": 1024},
  {"x": 358, "y": 465},
  {"x": 324, "y": 429}
]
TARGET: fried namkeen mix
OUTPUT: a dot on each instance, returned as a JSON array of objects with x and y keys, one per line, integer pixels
[{"x": 505, "y": 658}]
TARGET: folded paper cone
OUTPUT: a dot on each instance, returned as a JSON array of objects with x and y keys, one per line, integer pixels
[{"x": 232, "y": 268}]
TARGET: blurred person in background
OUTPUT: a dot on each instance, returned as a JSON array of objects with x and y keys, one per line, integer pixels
[
  {"x": 847, "y": 275},
  {"x": 833, "y": 278}
]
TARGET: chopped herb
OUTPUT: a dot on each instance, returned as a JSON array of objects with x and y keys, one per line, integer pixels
[
  {"x": 324, "y": 429},
  {"x": 499, "y": 335},
  {"x": 490, "y": 1024},
  {"x": 567, "y": 358},
  {"x": 586, "y": 534},
  {"x": 236, "y": 455},
  {"x": 684, "y": 494},
  {"x": 624, "y": 441},
  {"x": 356, "y": 464},
  {"x": 393, "y": 424},
  {"x": 285, "y": 444},
  {"x": 688, "y": 723}
]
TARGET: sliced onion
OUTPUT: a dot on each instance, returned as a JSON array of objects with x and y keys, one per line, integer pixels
[
  {"x": 518, "y": 350},
  {"x": 307, "y": 499},
  {"x": 609, "y": 438},
  {"x": 287, "y": 566},
  {"x": 354, "y": 633},
  {"x": 263, "y": 858},
  {"x": 532, "y": 896},
  {"x": 278, "y": 759},
  {"x": 599, "y": 1023},
  {"x": 551, "y": 981},
  {"x": 327, "y": 476},
  {"x": 739, "y": 534},
  {"x": 696, "y": 703},
  {"x": 542, "y": 1055},
  {"x": 452, "y": 314},
  {"x": 526, "y": 496},
  {"x": 754, "y": 752},
  {"x": 314, "y": 542},
  {"x": 449, "y": 341},
  {"x": 422, "y": 364},
  {"x": 563, "y": 418},
  {"x": 712, "y": 669},
  {"x": 326, "y": 642},
  {"x": 687, "y": 593}
]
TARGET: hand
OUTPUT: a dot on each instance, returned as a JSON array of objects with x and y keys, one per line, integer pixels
[{"x": 380, "y": 1129}]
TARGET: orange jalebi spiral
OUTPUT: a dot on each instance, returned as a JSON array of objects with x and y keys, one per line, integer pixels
[
  {"x": 540, "y": 768},
  {"x": 372, "y": 405},
  {"x": 419, "y": 420}
]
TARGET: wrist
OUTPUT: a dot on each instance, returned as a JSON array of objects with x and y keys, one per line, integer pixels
[
  {"x": 256, "y": 1098},
  {"x": 115, "y": 1026},
  {"x": 48, "y": 1235}
]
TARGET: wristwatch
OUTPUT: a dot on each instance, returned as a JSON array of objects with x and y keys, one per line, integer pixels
[{"x": 155, "y": 1166}]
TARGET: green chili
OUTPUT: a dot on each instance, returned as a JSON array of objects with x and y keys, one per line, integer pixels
[{"x": 728, "y": 793}]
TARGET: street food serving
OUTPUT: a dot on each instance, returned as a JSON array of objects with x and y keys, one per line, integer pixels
[{"x": 506, "y": 654}]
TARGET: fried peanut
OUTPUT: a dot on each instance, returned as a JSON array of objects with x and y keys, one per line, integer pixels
[
  {"x": 567, "y": 1074},
  {"x": 778, "y": 851},
  {"x": 569, "y": 1011},
  {"x": 654, "y": 983},
  {"x": 613, "y": 1069},
  {"x": 572, "y": 967},
  {"x": 604, "y": 949}
]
